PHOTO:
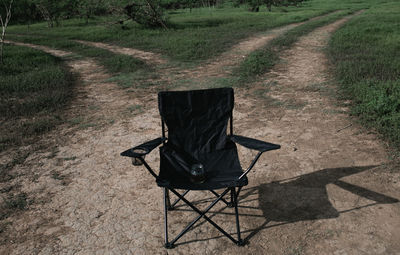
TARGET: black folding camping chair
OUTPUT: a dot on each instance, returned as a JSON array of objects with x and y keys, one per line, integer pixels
[{"x": 198, "y": 154}]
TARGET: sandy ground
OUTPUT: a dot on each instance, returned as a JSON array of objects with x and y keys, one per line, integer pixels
[{"x": 329, "y": 190}]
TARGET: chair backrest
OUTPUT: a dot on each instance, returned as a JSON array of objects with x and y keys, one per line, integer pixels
[{"x": 197, "y": 120}]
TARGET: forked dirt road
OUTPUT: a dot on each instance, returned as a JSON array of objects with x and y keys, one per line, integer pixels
[
  {"x": 329, "y": 190},
  {"x": 220, "y": 66}
]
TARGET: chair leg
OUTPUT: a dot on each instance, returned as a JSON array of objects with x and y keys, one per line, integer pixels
[
  {"x": 167, "y": 204},
  {"x": 240, "y": 242},
  {"x": 232, "y": 203},
  {"x": 202, "y": 214}
]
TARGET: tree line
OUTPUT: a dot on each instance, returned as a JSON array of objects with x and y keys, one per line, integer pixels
[
  {"x": 148, "y": 13},
  {"x": 145, "y": 12}
]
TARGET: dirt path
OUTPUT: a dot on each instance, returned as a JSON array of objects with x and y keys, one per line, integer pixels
[
  {"x": 215, "y": 67},
  {"x": 224, "y": 64},
  {"x": 95, "y": 92},
  {"x": 219, "y": 66},
  {"x": 149, "y": 57},
  {"x": 327, "y": 191},
  {"x": 96, "y": 106},
  {"x": 331, "y": 199}
]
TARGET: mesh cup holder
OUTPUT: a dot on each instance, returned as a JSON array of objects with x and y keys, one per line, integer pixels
[{"x": 141, "y": 154}]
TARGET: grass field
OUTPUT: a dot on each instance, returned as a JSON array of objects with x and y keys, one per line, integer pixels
[
  {"x": 194, "y": 36},
  {"x": 127, "y": 71},
  {"x": 365, "y": 54},
  {"x": 362, "y": 52},
  {"x": 34, "y": 87}
]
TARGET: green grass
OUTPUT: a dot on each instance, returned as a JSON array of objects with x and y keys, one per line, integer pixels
[
  {"x": 127, "y": 71},
  {"x": 194, "y": 36},
  {"x": 31, "y": 82},
  {"x": 365, "y": 54},
  {"x": 261, "y": 61},
  {"x": 34, "y": 87},
  {"x": 209, "y": 82}
]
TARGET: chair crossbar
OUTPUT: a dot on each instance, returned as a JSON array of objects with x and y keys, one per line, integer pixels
[
  {"x": 202, "y": 214},
  {"x": 229, "y": 204},
  {"x": 171, "y": 206},
  {"x": 178, "y": 199}
]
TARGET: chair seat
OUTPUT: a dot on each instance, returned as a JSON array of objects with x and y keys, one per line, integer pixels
[{"x": 222, "y": 168}]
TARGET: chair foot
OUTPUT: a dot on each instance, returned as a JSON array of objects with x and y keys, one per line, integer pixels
[
  {"x": 169, "y": 246},
  {"x": 241, "y": 242},
  {"x": 170, "y": 208}
]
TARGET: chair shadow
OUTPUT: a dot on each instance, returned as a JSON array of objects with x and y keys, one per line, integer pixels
[
  {"x": 305, "y": 197},
  {"x": 301, "y": 198}
]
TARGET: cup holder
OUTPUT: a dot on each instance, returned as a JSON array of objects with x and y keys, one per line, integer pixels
[
  {"x": 141, "y": 153},
  {"x": 197, "y": 174}
]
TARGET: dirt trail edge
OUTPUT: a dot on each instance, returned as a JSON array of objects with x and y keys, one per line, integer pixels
[
  {"x": 97, "y": 92},
  {"x": 219, "y": 66},
  {"x": 327, "y": 190},
  {"x": 149, "y": 57}
]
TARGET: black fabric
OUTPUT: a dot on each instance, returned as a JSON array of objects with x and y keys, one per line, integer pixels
[
  {"x": 197, "y": 121},
  {"x": 254, "y": 143},
  {"x": 147, "y": 147},
  {"x": 179, "y": 161},
  {"x": 222, "y": 170}
]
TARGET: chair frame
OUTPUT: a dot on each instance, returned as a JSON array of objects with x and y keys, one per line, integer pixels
[{"x": 234, "y": 190}]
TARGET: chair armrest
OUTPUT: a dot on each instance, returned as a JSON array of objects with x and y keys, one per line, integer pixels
[
  {"x": 143, "y": 149},
  {"x": 254, "y": 144}
]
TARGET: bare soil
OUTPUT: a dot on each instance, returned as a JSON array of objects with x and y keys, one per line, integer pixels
[{"x": 331, "y": 189}]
